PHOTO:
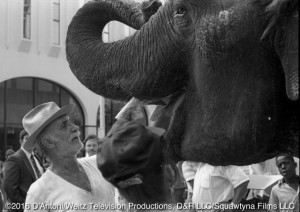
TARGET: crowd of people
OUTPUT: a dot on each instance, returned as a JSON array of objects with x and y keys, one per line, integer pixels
[{"x": 47, "y": 170}]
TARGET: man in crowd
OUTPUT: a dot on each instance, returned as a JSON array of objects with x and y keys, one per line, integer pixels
[
  {"x": 20, "y": 171},
  {"x": 285, "y": 195},
  {"x": 68, "y": 180},
  {"x": 92, "y": 143},
  {"x": 9, "y": 152}
]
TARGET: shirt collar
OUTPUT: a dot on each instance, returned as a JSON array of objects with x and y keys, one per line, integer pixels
[
  {"x": 282, "y": 181},
  {"x": 28, "y": 154}
]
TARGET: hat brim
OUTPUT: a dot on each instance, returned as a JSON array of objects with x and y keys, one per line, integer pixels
[
  {"x": 29, "y": 144},
  {"x": 156, "y": 130}
]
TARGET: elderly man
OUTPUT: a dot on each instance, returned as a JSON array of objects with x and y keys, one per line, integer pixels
[{"x": 69, "y": 184}]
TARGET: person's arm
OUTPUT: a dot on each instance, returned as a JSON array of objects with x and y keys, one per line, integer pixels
[
  {"x": 239, "y": 181},
  {"x": 11, "y": 177}
]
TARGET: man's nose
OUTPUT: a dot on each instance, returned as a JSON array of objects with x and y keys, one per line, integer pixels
[{"x": 74, "y": 127}]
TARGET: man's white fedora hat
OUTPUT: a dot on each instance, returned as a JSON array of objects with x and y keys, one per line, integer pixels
[{"x": 39, "y": 117}]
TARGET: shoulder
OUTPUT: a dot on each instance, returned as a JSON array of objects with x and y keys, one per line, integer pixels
[
  {"x": 43, "y": 189},
  {"x": 88, "y": 161},
  {"x": 276, "y": 188},
  {"x": 90, "y": 165},
  {"x": 12, "y": 162},
  {"x": 17, "y": 156},
  {"x": 40, "y": 186}
]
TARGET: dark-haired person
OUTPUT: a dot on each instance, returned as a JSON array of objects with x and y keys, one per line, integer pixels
[
  {"x": 20, "y": 170},
  {"x": 285, "y": 195},
  {"x": 8, "y": 153},
  {"x": 91, "y": 145}
]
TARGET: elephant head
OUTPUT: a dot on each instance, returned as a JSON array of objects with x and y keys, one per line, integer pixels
[{"x": 237, "y": 62}]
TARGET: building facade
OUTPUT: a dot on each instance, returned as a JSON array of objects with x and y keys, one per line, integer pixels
[{"x": 34, "y": 69}]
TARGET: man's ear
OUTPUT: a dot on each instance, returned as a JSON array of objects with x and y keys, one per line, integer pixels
[{"x": 48, "y": 142}]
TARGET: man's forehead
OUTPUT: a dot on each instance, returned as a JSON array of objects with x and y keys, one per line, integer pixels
[
  {"x": 94, "y": 140},
  {"x": 283, "y": 158}
]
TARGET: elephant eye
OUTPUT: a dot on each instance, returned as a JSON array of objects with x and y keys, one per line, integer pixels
[{"x": 180, "y": 11}]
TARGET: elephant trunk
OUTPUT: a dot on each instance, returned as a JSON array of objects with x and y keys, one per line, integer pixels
[{"x": 128, "y": 67}]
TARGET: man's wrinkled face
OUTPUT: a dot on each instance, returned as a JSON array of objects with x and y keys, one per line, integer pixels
[
  {"x": 91, "y": 147},
  {"x": 66, "y": 135}
]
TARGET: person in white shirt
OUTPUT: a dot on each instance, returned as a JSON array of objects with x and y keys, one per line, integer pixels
[
  {"x": 69, "y": 184},
  {"x": 284, "y": 196},
  {"x": 215, "y": 184}
]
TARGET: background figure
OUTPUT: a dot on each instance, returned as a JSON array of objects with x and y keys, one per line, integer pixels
[
  {"x": 217, "y": 184},
  {"x": 175, "y": 181},
  {"x": 1, "y": 169},
  {"x": 286, "y": 192},
  {"x": 91, "y": 145},
  {"x": 20, "y": 171},
  {"x": 9, "y": 153},
  {"x": 2, "y": 195},
  {"x": 180, "y": 187}
]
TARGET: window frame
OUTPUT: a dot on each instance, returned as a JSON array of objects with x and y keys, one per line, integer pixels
[
  {"x": 56, "y": 3},
  {"x": 26, "y": 21}
]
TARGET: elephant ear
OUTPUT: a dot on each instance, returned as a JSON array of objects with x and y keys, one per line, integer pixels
[{"x": 283, "y": 24}]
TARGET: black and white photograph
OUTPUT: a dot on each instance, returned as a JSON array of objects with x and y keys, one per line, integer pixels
[{"x": 149, "y": 105}]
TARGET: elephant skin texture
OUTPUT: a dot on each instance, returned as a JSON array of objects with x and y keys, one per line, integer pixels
[{"x": 235, "y": 61}]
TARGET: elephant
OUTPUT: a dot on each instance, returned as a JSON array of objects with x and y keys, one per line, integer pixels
[{"x": 234, "y": 63}]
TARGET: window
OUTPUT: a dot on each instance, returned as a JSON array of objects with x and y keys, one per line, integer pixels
[
  {"x": 56, "y": 22},
  {"x": 112, "y": 107},
  {"x": 2, "y": 120},
  {"x": 46, "y": 91},
  {"x": 27, "y": 19}
]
